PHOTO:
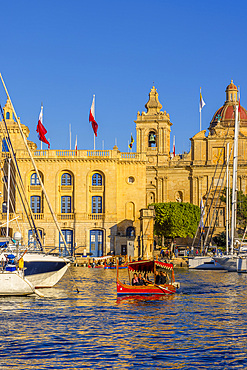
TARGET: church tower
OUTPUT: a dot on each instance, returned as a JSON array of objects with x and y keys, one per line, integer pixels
[{"x": 153, "y": 132}]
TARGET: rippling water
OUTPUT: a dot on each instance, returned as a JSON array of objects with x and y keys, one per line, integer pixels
[{"x": 204, "y": 326}]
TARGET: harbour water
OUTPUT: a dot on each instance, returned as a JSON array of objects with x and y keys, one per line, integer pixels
[{"x": 204, "y": 326}]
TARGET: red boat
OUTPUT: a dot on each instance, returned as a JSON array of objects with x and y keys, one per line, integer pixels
[{"x": 150, "y": 288}]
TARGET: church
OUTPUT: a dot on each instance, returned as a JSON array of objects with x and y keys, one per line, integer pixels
[{"x": 101, "y": 197}]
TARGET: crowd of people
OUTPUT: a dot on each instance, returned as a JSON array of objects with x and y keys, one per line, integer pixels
[{"x": 160, "y": 279}]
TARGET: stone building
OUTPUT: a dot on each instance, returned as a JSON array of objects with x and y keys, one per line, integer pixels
[{"x": 101, "y": 197}]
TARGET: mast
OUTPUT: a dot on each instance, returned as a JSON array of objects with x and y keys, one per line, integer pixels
[
  {"x": 8, "y": 197},
  {"x": 234, "y": 179},
  {"x": 34, "y": 165},
  {"x": 227, "y": 199}
]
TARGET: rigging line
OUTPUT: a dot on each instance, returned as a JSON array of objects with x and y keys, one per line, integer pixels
[
  {"x": 205, "y": 241},
  {"x": 12, "y": 153},
  {"x": 208, "y": 192},
  {"x": 219, "y": 197},
  {"x": 11, "y": 195},
  {"x": 35, "y": 167}
]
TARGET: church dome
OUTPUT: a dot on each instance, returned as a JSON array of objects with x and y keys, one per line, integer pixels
[{"x": 225, "y": 115}]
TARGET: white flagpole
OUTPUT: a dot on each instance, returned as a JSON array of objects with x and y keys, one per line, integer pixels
[
  {"x": 128, "y": 146},
  {"x": 103, "y": 146},
  {"x": 95, "y": 120},
  {"x": 69, "y": 136},
  {"x": 200, "y": 111},
  {"x": 42, "y": 124}
]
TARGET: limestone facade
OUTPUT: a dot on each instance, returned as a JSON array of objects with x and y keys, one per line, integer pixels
[{"x": 100, "y": 197}]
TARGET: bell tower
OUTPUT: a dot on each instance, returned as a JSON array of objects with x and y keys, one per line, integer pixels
[{"x": 153, "y": 132}]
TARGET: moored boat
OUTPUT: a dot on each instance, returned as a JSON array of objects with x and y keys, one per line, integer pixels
[
  {"x": 12, "y": 280},
  {"x": 151, "y": 288}
]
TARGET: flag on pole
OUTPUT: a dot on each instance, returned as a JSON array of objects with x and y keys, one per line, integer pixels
[
  {"x": 76, "y": 145},
  {"x": 201, "y": 224},
  {"x": 131, "y": 142},
  {"x": 239, "y": 106},
  {"x": 41, "y": 129},
  {"x": 173, "y": 149},
  {"x": 202, "y": 102},
  {"x": 92, "y": 117}
]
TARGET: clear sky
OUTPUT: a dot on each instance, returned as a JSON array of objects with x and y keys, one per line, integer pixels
[{"x": 62, "y": 52}]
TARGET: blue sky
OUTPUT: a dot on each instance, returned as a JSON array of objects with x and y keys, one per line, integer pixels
[{"x": 61, "y": 53}]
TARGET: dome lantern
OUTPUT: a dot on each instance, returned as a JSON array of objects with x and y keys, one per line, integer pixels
[{"x": 231, "y": 93}]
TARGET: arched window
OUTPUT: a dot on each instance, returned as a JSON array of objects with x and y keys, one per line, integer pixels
[
  {"x": 34, "y": 180},
  {"x": 7, "y": 115},
  {"x": 96, "y": 204},
  {"x": 66, "y": 204},
  {"x": 5, "y": 147},
  {"x": 66, "y": 179},
  {"x": 96, "y": 179},
  {"x": 130, "y": 231},
  {"x": 36, "y": 204},
  {"x": 152, "y": 139}
]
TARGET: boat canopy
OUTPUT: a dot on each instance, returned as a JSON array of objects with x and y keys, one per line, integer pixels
[{"x": 148, "y": 266}]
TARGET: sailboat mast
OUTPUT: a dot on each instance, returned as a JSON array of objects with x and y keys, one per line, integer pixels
[
  {"x": 8, "y": 197},
  {"x": 227, "y": 198},
  {"x": 35, "y": 167},
  {"x": 234, "y": 179}
]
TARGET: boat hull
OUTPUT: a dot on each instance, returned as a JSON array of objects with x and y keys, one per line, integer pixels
[
  {"x": 12, "y": 284},
  {"x": 43, "y": 270},
  {"x": 229, "y": 263},
  {"x": 204, "y": 263},
  {"x": 123, "y": 289}
]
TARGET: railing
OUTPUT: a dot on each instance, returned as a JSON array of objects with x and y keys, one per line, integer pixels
[
  {"x": 96, "y": 216},
  {"x": 66, "y": 216},
  {"x": 128, "y": 155},
  {"x": 98, "y": 153},
  {"x": 38, "y": 216},
  {"x": 66, "y": 153},
  {"x": 96, "y": 188},
  {"x": 107, "y": 154}
]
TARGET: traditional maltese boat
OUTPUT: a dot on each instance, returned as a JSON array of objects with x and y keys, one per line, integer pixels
[{"x": 151, "y": 288}]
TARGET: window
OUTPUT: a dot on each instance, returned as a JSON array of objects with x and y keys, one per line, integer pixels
[
  {"x": 5, "y": 147},
  {"x": 152, "y": 139},
  {"x": 34, "y": 180},
  {"x": 131, "y": 180},
  {"x": 4, "y": 207},
  {"x": 96, "y": 180},
  {"x": 7, "y": 115},
  {"x": 35, "y": 204},
  {"x": 66, "y": 204},
  {"x": 68, "y": 236},
  {"x": 66, "y": 179},
  {"x": 130, "y": 231},
  {"x": 96, "y": 204}
]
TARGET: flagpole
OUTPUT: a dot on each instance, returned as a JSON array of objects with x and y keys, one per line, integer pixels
[
  {"x": 128, "y": 147},
  {"x": 69, "y": 136},
  {"x": 93, "y": 141},
  {"x": 42, "y": 124},
  {"x": 200, "y": 112}
]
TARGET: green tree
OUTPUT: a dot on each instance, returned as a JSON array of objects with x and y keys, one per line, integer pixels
[
  {"x": 241, "y": 206},
  {"x": 175, "y": 219}
]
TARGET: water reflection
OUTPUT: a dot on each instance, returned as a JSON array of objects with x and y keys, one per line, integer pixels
[{"x": 202, "y": 327}]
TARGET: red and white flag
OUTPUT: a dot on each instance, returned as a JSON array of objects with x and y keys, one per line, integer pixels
[
  {"x": 76, "y": 142},
  {"x": 173, "y": 149},
  {"x": 41, "y": 129},
  {"x": 92, "y": 117}
]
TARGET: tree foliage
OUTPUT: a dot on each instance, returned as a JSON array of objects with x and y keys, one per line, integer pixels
[
  {"x": 175, "y": 219},
  {"x": 220, "y": 240},
  {"x": 241, "y": 206}
]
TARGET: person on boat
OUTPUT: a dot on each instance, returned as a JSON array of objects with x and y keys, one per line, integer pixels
[
  {"x": 157, "y": 278},
  {"x": 140, "y": 278},
  {"x": 135, "y": 280},
  {"x": 163, "y": 278},
  {"x": 146, "y": 279}
]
